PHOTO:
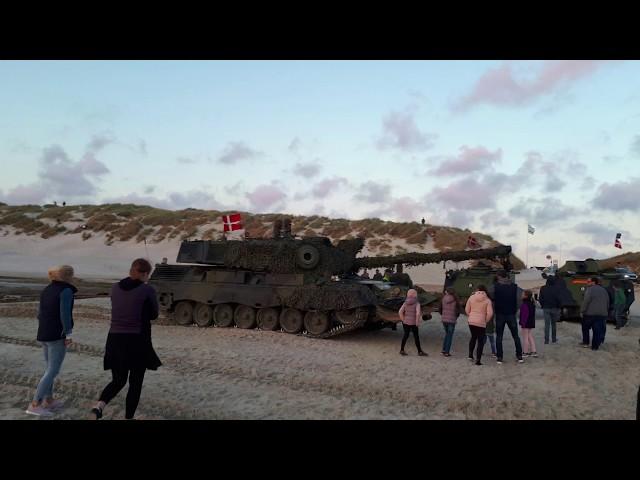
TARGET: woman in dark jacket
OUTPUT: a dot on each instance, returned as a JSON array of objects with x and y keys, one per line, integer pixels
[
  {"x": 55, "y": 324},
  {"x": 129, "y": 351}
]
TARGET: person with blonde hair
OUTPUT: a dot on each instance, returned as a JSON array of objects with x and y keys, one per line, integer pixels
[
  {"x": 129, "y": 351},
  {"x": 479, "y": 311},
  {"x": 411, "y": 315},
  {"x": 55, "y": 325}
]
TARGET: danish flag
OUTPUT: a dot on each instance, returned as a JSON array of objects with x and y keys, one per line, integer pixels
[
  {"x": 231, "y": 222},
  {"x": 618, "y": 243}
]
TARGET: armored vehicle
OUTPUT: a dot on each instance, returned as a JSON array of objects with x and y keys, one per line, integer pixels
[
  {"x": 574, "y": 278},
  {"x": 297, "y": 285},
  {"x": 465, "y": 281}
]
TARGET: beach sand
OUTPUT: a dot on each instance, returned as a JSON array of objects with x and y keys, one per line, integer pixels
[{"x": 215, "y": 373}]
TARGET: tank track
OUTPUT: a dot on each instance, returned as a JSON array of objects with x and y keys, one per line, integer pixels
[{"x": 361, "y": 320}]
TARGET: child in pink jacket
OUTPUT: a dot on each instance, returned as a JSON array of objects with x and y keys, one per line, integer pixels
[
  {"x": 411, "y": 315},
  {"x": 480, "y": 311}
]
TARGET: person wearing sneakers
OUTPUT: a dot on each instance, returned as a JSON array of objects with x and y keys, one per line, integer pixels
[
  {"x": 129, "y": 351},
  {"x": 528, "y": 323},
  {"x": 450, "y": 311},
  {"x": 55, "y": 325},
  {"x": 506, "y": 305},
  {"x": 411, "y": 316},
  {"x": 479, "y": 311},
  {"x": 595, "y": 310}
]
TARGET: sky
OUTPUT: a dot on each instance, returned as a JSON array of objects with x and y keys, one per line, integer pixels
[{"x": 487, "y": 145}]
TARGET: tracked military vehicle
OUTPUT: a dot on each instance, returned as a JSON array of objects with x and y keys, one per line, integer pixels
[
  {"x": 574, "y": 279},
  {"x": 465, "y": 281},
  {"x": 297, "y": 285}
]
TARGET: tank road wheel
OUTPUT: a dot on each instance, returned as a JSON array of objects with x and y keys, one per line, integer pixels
[
  {"x": 346, "y": 317},
  {"x": 223, "y": 315},
  {"x": 291, "y": 320},
  {"x": 316, "y": 323},
  {"x": 183, "y": 313},
  {"x": 203, "y": 315},
  {"x": 245, "y": 317},
  {"x": 268, "y": 319}
]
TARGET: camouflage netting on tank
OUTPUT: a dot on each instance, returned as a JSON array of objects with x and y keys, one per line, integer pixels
[
  {"x": 279, "y": 256},
  {"x": 330, "y": 297},
  {"x": 502, "y": 251},
  {"x": 275, "y": 257}
]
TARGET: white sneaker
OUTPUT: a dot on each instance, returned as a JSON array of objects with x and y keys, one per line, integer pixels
[{"x": 38, "y": 411}]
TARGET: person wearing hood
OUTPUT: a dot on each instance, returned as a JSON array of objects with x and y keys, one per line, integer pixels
[
  {"x": 55, "y": 325},
  {"x": 479, "y": 311},
  {"x": 550, "y": 302},
  {"x": 449, "y": 311},
  {"x": 129, "y": 351},
  {"x": 507, "y": 296},
  {"x": 411, "y": 315}
]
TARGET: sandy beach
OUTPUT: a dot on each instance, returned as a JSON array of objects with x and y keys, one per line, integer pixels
[{"x": 214, "y": 373}]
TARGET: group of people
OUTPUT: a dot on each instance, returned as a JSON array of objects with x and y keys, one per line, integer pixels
[
  {"x": 504, "y": 304},
  {"x": 129, "y": 352}
]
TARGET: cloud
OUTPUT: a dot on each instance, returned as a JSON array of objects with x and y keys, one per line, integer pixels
[
  {"x": 601, "y": 234},
  {"x": 406, "y": 208},
  {"x": 186, "y": 160},
  {"x": 200, "y": 199},
  {"x": 307, "y": 170},
  {"x": 459, "y": 218},
  {"x": 582, "y": 253},
  {"x": 140, "y": 200},
  {"x": 24, "y": 195},
  {"x": 554, "y": 184},
  {"x": 618, "y": 196},
  {"x": 465, "y": 194},
  {"x": 237, "y": 151},
  {"x": 59, "y": 175},
  {"x": 142, "y": 147},
  {"x": 541, "y": 212},
  {"x": 99, "y": 141},
  {"x": 265, "y": 196},
  {"x": 468, "y": 160},
  {"x": 499, "y": 86},
  {"x": 327, "y": 186},
  {"x": 294, "y": 146},
  {"x": 494, "y": 218},
  {"x": 588, "y": 183},
  {"x": 635, "y": 145},
  {"x": 149, "y": 189},
  {"x": 373, "y": 192},
  {"x": 401, "y": 132}
]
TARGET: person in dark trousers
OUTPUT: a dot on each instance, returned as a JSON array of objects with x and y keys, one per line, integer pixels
[
  {"x": 595, "y": 310},
  {"x": 619, "y": 304},
  {"x": 479, "y": 311},
  {"x": 506, "y": 297},
  {"x": 129, "y": 351},
  {"x": 550, "y": 302},
  {"x": 55, "y": 325},
  {"x": 630, "y": 295},
  {"x": 411, "y": 315}
]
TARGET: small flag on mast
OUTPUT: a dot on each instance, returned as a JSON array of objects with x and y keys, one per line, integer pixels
[
  {"x": 530, "y": 229},
  {"x": 618, "y": 243},
  {"x": 232, "y": 222}
]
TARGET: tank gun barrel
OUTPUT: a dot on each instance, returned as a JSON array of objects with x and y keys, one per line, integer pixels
[{"x": 502, "y": 252}]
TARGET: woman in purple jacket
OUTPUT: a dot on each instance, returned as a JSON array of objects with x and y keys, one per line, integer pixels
[
  {"x": 528, "y": 323},
  {"x": 129, "y": 352}
]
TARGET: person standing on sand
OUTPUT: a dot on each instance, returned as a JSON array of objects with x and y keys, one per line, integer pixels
[
  {"x": 450, "y": 311},
  {"x": 55, "y": 325},
  {"x": 479, "y": 311},
  {"x": 129, "y": 351},
  {"x": 594, "y": 310},
  {"x": 550, "y": 302},
  {"x": 411, "y": 316},
  {"x": 506, "y": 306},
  {"x": 619, "y": 304},
  {"x": 528, "y": 323}
]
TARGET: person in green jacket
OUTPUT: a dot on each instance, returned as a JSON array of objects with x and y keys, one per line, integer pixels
[{"x": 619, "y": 305}]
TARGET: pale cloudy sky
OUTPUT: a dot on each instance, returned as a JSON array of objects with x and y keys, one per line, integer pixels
[{"x": 488, "y": 145}]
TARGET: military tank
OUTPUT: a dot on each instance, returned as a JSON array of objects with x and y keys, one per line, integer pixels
[
  {"x": 465, "y": 281},
  {"x": 298, "y": 285},
  {"x": 574, "y": 278}
]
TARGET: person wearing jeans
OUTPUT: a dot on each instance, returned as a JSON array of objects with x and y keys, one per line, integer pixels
[
  {"x": 450, "y": 310},
  {"x": 55, "y": 325},
  {"x": 595, "y": 310},
  {"x": 506, "y": 297}
]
